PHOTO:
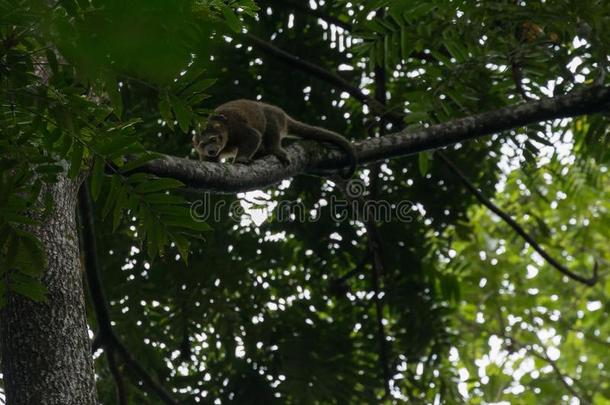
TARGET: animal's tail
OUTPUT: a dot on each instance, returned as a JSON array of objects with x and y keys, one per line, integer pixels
[{"x": 306, "y": 131}]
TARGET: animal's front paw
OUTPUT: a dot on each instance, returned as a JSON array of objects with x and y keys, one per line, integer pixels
[
  {"x": 243, "y": 160},
  {"x": 283, "y": 157}
]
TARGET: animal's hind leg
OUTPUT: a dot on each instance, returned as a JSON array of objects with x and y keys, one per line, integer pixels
[{"x": 273, "y": 141}]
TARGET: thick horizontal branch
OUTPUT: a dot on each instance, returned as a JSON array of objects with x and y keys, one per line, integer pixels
[{"x": 311, "y": 158}]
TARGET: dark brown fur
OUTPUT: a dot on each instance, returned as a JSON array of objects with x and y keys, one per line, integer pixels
[{"x": 246, "y": 130}]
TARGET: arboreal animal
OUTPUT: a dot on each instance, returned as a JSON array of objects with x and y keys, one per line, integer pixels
[{"x": 245, "y": 130}]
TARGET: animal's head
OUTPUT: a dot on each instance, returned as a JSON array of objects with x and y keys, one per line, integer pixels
[{"x": 214, "y": 137}]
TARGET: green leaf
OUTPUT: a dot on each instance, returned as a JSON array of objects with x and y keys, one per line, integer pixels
[
  {"x": 112, "y": 88},
  {"x": 133, "y": 164},
  {"x": 30, "y": 258},
  {"x": 52, "y": 60},
  {"x": 407, "y": 45},
  {"x": 116, "y": 144},
  {"x": 97, "y": 175},
  {"x": 183, "y": 244},
  {"x": 165, "y": 110},
  {"x": 51, "y": 137},
  {"x": 164, "y": 199},
  {"x": 76, "y": 160},
  {"x": 184, "y": 114},
  {"x": 115, "y": 185},
  {"x": 423, "y": 163},
  {"x": 154, "y": 185},
  {"x": 455, "y": 50},
  {"x": 27, "y": 286},
  {"x": 63, "y": 145},
  {"x": 231, "y": 19},
  {"x": 119, "y": 206},
  {"x": 416, "y": 116},
  {"x": 187, "y": 222}
]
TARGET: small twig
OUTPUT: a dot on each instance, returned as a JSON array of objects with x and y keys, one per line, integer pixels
[
  {"x": 516, "y": 227},
  {"x": 517, "y": 74}
]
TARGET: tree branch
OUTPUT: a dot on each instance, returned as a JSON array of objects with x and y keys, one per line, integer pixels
[
  {"x": 560, "y": 103},
  {"x": 311, "y": 157},
  {"x": 146, "y": 378},
  {"x": 323, "y": 74},
  {"x": 121, "y": 393},
  {"x": 375, "y": 242},
  {"x": 98, "y": 298},
  {"x": 516, "y": 227},
  {"x": 106, "y": 337}
]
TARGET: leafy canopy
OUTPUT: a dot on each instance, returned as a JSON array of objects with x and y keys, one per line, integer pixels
[{"x": 234, "y": 310}]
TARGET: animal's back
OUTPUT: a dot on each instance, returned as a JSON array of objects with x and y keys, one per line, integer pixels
[
  {"x": 243, "y": 111},
  {"x": 256, "y": 113}
]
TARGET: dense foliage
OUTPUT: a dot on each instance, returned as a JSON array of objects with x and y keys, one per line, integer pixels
[{"x": 258, "y": 307}]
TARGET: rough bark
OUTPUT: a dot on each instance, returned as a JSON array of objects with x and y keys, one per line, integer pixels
[
  {"x": 310, "y": 157},
  {"x": 46, "y": 354}
]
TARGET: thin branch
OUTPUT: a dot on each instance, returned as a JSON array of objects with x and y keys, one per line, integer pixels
[
  {"x": 375, "y": 242},
  {"x": 324, "y": 75},
  {"x": 121, "y": 392},
  {"x": 98, "y": 298},
  {"x": 146, "y": 378},
  {"x": 544, "y": 357},
  {"x": 374, "y": 246},
  {"x": 560, "y": 102},
  {"x": 313, "y": 158},
  {"x": 106, "y": 337},
  {"x": 517, "y": 75},
  {"x": 514, "y": 345},
  {"x": 516, "y": 227}
]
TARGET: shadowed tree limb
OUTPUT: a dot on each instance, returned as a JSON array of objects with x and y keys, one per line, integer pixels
[
  {"x": 98, "y": 298},
  {"x": 560, "y": 102},
  {"x": 106, "y": 338},
  {"x": 516, "y": 227},
  {"x": 121, "y": 393},
  {"x": 314, "y": 158},
  {"x": 375, "y": 243},
  {"x": 517, "y": 75},
  {"x": 309, "y": 157}
]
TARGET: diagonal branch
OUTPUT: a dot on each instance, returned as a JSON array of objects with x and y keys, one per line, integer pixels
[
  {"x": 323, "y": 74},
  {"x": 603, "y": 105},
  {"x": 312, "y": 158},
  {"x": 107, "y": 339},
  {"x": 516, "y": 227}
]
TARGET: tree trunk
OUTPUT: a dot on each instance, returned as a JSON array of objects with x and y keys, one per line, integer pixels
[{"x": 46, "y": 351}]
